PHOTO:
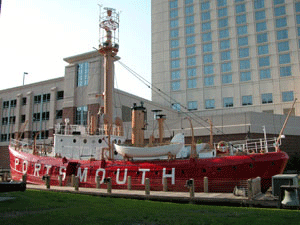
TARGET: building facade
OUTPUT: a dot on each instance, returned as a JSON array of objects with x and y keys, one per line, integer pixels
[{"x": 226, "y": 56}]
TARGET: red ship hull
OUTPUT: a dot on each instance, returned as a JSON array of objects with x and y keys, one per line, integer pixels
[{"x": 224, "y": 173}]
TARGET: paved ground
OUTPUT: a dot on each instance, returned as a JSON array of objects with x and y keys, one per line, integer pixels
[{"x": 182, "y": 197}]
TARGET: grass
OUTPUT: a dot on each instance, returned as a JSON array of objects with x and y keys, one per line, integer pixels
[{"x": 42, "y": 207}]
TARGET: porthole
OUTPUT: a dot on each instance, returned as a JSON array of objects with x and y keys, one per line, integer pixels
[
  {"x": 219, "y": 169},
  {"x": 182, "y": 171},
  {"x": 84, "y": 141},
  {"x": 251, "y": 165},
  {"x": 115, "y": 152},
  {"x": 74, "y": 140},
  {"x": 99, "y": 141},
  {"x": 203, "y": 170},
  {"x": 272, "y": 163},
  {"x": 115, "y": 141},
  {"x": 156, "y": 172},
  {"x": 61, "y": 140},
  {"x": 234, "y": 168}
]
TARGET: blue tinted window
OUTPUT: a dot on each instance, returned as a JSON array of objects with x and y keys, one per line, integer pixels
[
  {"x": 206, "y": 26},
  {"x": 192, "y": 105},
  {"x": 174, "y": 43},
  {"x": 208, "y": 69},
  {"x": 225, "y": 44},
  {"x": 287, "y": 96},
  {"x": 192, "y": 83},
  {"x": 173, "y": 13},
  {"x": 205, "y": 16},
  {"x": 227, "y": 78},
  {"x": 208, "y": 58},
  {"x": 174, "y": 33},
  {"x": 244, "y": 64},
  {"x": 190, "y": 30},
  {"x": 222, "y": 3},
  {"x": 222, "y": 12},
  {"x": 265, "y": 74},
  {"x": 284, "y": 58},
  {"x": 281, "y": 22},
  {"x": 224, "y": 33},
  {"x": 176, "y": 106},
  {"x": 189, "y": 19},
  {"x": 298, "y": 19},
  {"x": 263, "y": 49},
  {"x": 175, "y": 53},
  {"x": 207, "y": 47},
  {"x": 242, "y": 30},
  {"x": 175, "y": 75},
  {"x": 259, "y": 4},
  {"x": 190, "y": 40},
  {"x": 243, "y": 52},
  {"x": 264, "y": 61},
  {"x": 175, "y": 64},
  {"x": 261, "y": 38},
  {"x": 266, "y": 98},
  {"x": 228, "y": 102},
  {"x": 173, "y": 4},
  {"x": 241, "y": 19},
  {"x": 223, "y": 23},
  {"x": 242, "y": 41},
  {"x": 205, "y": 6},
  {"x": 279, "y": 11},
  {"x": 245, "y": 76},
  {"x": 226, "y": 67},
  {"x": 277, "y": 2},
  {"x": 261, "y": 26},
  {"x": 247, "y": 100},
  {"x": 174, "y": 23},
  {"x": 283, "y": 46},
  {"x": 191, "y": 72},
  {"x": 175, "y": 85},
  {"x": 83, "y": 74},
  {"x": 206, "y": 37},
  {"x": 208, "y": 81},
  {"x": 209, "y": 104},
  {"x": 297, "y": 6},
  {"x": 225, "y": 55},
  {"x": 189, "y": 10},
  {"x": 240, "y": 8},
  {"x": 191, "y": 50},
  {"x": 285, "y": 71},
  {"x": 191, "y": 61},
  {"x": 260, "y": 15}
]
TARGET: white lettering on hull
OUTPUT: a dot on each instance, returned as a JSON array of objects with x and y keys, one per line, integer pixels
[
  {"x": 25, "y": 167},
  {"x": 172, "y": 175},
  {"x": 17, "y": 162},
  {"x": 118, "y": 176},
  {"x": 97, "y": 174},
  {"x": 48, "y": 169},
  {"x": 82, "y": 176},
  {"x": 63, "y": 173},
  {"x": 144, "y": 174},
  {"x": 37, "y": 168}
]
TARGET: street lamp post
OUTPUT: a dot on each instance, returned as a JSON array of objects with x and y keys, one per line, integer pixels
[{"x": 25, "y": 73}]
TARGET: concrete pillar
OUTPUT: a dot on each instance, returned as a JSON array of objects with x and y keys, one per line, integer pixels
[
  {"x": 109, "y": 186},
  {"x": 60, "y": 180},
  {"x": 76, "y": 183},
  {"x": 47, "y": 181},
  {"x": 24, "y": 178},
  {"x": 165, "y": 184},
  {"x": 98, "y": 182},
  {"x": 72, "y": 180},
  {"x": 192, "y": 188},
  {"x": 129, "y": 185},
  {"x": 205, "y": 184},
  {"x": 147, "y": 186}
]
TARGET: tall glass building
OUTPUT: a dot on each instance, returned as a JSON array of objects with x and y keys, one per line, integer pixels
[{"x": 226, "y": 55}]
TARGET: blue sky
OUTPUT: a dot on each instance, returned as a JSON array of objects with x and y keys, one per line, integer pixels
[{"x": 35, "y": 36}]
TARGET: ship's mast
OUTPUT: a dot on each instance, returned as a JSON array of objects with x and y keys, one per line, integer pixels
[{"x": 108, "y": 47}]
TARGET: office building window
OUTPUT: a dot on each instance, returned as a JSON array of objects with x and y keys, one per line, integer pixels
[
  {"x": 279, "y": 11},
  {"x": 191, "y": 61},
  {"x": 266, "y": 98},
  {"x": 298, "y": 19},
  {"x": 261, "y": 26},
  {"x": 263, "y": 49},
  {"x": 208, "y": 69},
  {"x": 227, "y": 79},
  {"x": 259, "y": 4},
  {"x": 297, "y": 6},
  {"x": 190, "y": 30},
  {"x": 284, "y": 58},
  {"x": 261, "y": 38},
  {"x": 174, "y": 33},
  {"x": 205, "y": 6},
  {"x": 208, "y": 58},
  {"x": 281, "y": 22},
  {"x": 223, "y": 23},
  {"x": 23, "y": 118},
  {"x": 81, "y": 115},
  {"x": 37, "y": 99},
  {"x": 209, "y": 81},
  {"x": 226, "y": 67},
  {"x": 282, "y": 34},
  {"x": 247, "y": 100},
  {"x": 243, "y": 41},
  {"x": 5, "y": 104},
  {"x": 190, "y": 40},
  {"x": 224, "y": 44},
  {"x": 176, "y": 106},
  {"x": 287, "y": 96},
  {"x": 189, "y": 10},
  {"x": 260, "y": 15},
  {"x": 278, "y": 2},
  {"x": 175, "y": 85},
  {"x": 175, "y": 75},
  {"x": 192, "y": 105},
  {"x": 222, "y": 3},
  {"x": 24, "y": 100},
  {"x": 174, "y": 43},
  {"x": 265, "y": 74},
  {"x": 206, "y": 37},
  {"x": 243, "y": 52},
  {"x": 222, "y": 12},
  {"x": 228, "y": 102},
  {"x": 244, "y": 64},
  {"x": 191, "y": 50},
  {"x": 189, "y": 20},
  {"x": 224, "y": 33},
  {"x": 192, "y": 83},
  {"x": 59, "y": 114},
  {"x": 245, "y": 76},
  {"x": 209, "y": 104},
  {"x": 225, "y": 56},
  {"x": 187, "y": 2},
  {"x": 173, "y": 4},
  {"x": 264, "y": 61},
  {"x": 13, "y": 103},
  {"x": 60, "y": 95},
  {"x": 83, "y": 74},
  {"x": 174, "y": 13},
  {"x": 206, "y": 26},
  {"x": 240, "y": 8},
  {"x": 175, "y": 64},
  {"x": 207, "y": 47},
  {"x": 241, "y": 19},
  {"x": 174, "y": 23},
  {"x": 242, "y": 30},
  {"x": 205, "y": 16},
  {"x": 191, "y": 72},
  {"x": 285, "y": 71},
  {"x": 174, "y": 54}
]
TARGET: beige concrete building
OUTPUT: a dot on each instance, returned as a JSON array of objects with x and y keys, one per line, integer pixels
[{"x": 226, "y": 56}]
